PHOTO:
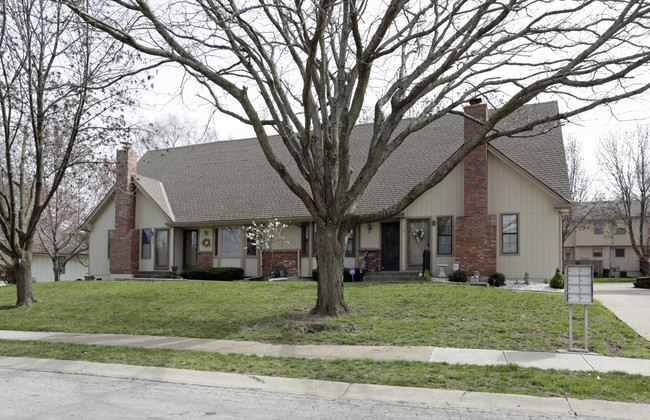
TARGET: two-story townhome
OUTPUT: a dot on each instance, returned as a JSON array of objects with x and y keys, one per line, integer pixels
[{"x": 601, "y": 238}]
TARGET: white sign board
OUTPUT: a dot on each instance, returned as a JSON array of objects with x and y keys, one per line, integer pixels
[{"x": 579, "y": 285}]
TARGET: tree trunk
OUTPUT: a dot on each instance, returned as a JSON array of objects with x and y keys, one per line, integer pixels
[
  {"x": 330, "y": 251},
  {"x": 24, "y": 285},
  {"x": 644, "y": 264}
]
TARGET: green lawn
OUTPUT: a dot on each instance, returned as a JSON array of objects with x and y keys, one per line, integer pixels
[
  {"x": 614, "y": 280},
  {"x": 443, "y": 315}
]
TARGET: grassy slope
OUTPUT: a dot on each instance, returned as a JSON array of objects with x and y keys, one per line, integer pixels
[
  {"x": 383, "y": 314},
  {"x": 502, "y": 379}
]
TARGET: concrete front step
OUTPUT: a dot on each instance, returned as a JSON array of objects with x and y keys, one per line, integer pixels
[
  {"x": 155, "y": 275},
  {"x": 392, "y": 277}
]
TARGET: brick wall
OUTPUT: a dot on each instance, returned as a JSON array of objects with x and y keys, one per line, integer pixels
[
  {"x": 204, "y": 260},
  {"x": 286, "y": 259},
  {"x": 125, "y": 242},
  {"x": 373, "y": 260},
  {"x": 476, "y": 231}
]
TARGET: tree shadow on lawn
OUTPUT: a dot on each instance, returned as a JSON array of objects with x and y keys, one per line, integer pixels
[{"x": 288, "y": 328}]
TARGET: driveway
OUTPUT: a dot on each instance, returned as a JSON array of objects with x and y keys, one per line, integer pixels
[{"x": 631, "y": 305}]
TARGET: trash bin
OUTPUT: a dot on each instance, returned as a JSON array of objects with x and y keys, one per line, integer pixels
[
  {"x": 623, "y": 274},
  {"x": 606, "y": 272}
]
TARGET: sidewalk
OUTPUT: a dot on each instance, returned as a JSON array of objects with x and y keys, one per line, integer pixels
[{"x": 568, "y": 361}]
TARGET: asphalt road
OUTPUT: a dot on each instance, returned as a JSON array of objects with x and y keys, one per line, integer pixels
[{"x": 45, "y": 395}]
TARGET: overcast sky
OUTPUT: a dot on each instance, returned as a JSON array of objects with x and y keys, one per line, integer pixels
[{"x": 165, "y": 98}]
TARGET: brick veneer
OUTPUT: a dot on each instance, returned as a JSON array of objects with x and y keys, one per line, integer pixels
[
  {"x": 125, "y": 242},
  {"x": 373, "y": 260},
  {"x": 286, "y": 259},
  {"x": 204, "y": 260},
  {"x": 476, "y": 231}
]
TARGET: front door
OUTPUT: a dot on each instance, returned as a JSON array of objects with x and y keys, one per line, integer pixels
[
  {"x": 390, "y": 246},
  {"x": 161, "y": 249},
  {"x": 190, "y": 249}
]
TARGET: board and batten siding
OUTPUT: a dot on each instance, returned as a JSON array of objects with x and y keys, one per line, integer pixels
[
  {"x": 98, "y": 241},
  {"x": 445, "y": 199},
  {"x": 148, "y": 215},
  {"x": 540, "y": 242}
]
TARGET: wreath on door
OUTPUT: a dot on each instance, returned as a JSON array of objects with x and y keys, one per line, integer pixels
[{"x": 206, "y": 242}]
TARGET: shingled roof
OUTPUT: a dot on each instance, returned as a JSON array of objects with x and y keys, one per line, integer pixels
[{"x": 229, "y": 181}]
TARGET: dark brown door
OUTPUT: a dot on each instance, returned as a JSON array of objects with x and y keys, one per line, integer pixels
[
  {"x": 390, "y": 246},
  {"x": 190, "y": 249}
]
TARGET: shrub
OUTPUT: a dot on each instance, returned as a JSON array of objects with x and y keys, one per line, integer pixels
[
  {"x": 458, "y": 276},
  {"x": 557, "y": 282},
  {"x": 358, "y": 276},
  {"x": 215, "y": 273},
  {"x": 497, "y": 280}
]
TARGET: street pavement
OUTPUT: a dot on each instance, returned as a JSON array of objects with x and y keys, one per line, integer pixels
[
  {"x": 630, "y": 304},
  {"x": 41, "y": 388}
]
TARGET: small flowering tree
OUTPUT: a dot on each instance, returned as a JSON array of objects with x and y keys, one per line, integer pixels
[{"x": 263, "y": 235}]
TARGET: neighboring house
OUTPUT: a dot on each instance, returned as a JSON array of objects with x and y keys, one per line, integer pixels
[
  {"x": 42, "y": 271},
  {"x": 602, "y": 240},
  {"x": 500, "y": 210}
]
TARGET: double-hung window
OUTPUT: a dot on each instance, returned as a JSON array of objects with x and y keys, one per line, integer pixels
[
  {"x": 349, "y": 249},
  {"x": 146, "y": 243},
  {"x": 251, "y": 247},
  {"x": 231, "y": 245},
  {"x": 510, "y": 233},
  {"x": 445, "y": 235},
  {"x": 304, "y": 234},
  {"x": 598, "y": 228}
]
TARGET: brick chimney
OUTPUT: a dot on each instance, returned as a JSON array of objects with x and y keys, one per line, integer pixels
[
  {"x": 476, "y": 231},
  {"x": 125, "y": 242}
]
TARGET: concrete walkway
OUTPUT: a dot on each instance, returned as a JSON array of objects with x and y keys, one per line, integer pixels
[
  {"x": 568, "y": 361},
  {"x": 630, "y": 304}
]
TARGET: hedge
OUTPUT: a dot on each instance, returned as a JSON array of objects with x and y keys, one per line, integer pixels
[
  {"x": 358, "y": 276},
  {"x": 215, "y": 273}
]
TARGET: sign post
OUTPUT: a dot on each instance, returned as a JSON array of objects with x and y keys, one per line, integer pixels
[{"x": 579, "y": 290}]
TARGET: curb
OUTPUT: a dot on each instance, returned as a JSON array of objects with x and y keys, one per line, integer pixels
[{"x": 342, "y": 390}]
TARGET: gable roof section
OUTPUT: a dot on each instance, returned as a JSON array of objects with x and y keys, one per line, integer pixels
[
  {"x": 604, "y": 210},
  {"x": 155, "y": 190},
  {"x": 232, "y": 181},
  {"x": 541, "y": 156}
]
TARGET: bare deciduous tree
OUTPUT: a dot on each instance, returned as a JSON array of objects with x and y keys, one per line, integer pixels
[
  {"x": 171, "y": 131},
  {"x": 625, "y": 160},
  {"x": 59, "y": 229},
  {"x": 306, "y": 69},
  {"x": 58, "y": 97},
  {"x": 584, "y": 200}
]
